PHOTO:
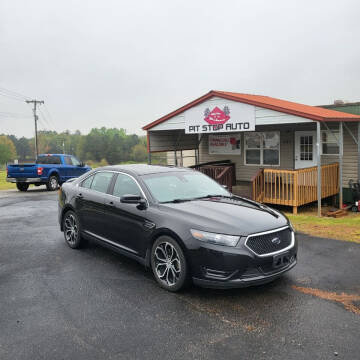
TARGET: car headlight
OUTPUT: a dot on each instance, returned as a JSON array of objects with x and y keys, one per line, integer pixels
[{"x": 218, "y": 239}]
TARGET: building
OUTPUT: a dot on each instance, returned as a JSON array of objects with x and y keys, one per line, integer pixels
[{"x": 286, "y": 153}]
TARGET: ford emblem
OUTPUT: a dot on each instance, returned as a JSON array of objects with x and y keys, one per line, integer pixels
[{"x": 276, "y": 241}]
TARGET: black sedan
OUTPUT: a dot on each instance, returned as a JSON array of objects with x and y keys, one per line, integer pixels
[{"x": 180, "y": 224}]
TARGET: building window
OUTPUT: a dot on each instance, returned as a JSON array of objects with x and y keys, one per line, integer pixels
[
  {"x": 262, "y": 148},
  {"x": 329, "y": 140},
  {"x": 306, "y": 147}
]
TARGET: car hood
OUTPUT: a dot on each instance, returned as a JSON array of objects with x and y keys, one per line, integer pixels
[{"x": 227, "y": 216}]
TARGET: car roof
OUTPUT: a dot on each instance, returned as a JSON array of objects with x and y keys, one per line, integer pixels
[{"x": 143, "y": 169}]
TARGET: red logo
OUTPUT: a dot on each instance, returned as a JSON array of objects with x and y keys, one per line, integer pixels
[{"x": 217, "y": 116}]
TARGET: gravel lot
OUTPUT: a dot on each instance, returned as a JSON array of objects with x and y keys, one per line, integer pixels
[{"x": 58, "y": 303}]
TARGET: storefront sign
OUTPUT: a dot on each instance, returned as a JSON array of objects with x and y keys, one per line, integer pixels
[
  {"x": 225, "y": 117},
  {"x": 225, "y": 144}
]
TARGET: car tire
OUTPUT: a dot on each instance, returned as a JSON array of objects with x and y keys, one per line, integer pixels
[
  {"x": 53, "y": 183},
  {"x": 169, "y": 264},
  {"x": 22, "y": 186},
  {"x": 72, "y": 230}
]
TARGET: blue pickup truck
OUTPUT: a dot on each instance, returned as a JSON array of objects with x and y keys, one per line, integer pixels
[{"x": 50, "y": 169}]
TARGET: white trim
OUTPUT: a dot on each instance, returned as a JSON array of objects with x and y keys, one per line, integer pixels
[{"x": 261, "y": 149}]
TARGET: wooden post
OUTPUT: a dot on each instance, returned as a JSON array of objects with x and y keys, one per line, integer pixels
[
  {"x": 295, "y": 192},
  {"x": 318, "y": 160},
  {"x": 148, "y": 148},
  {"x": 358, "y": 146},
  {"x": 340, "y": 165}
]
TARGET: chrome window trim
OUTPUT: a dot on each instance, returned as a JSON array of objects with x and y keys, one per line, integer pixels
[
  {"x": 114, "y": 172},
  {"x": 110, "y": 242},
  {"x": 270, "y": 232}
]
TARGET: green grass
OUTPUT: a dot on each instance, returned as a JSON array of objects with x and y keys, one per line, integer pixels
[
  {"x": 345, "y": 228},
  {"x": 3, "y": 184}
]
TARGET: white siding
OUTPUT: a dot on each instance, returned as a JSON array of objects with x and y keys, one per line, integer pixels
[{"x": 262, "y": 116}]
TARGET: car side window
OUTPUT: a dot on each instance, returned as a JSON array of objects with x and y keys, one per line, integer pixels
[
  {"x": 125, "y": 185},
  {"x": 101, "y": 181},
  {"x": 68, "y": 160},
  {"x": 87, "y": 182}
]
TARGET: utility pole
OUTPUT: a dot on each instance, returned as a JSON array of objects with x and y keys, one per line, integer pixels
[{"x": 35, "y": 102}]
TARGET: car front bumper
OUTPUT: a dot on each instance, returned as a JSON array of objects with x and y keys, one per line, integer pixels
[
  {"x": 23, "y": 180},
  {"x": 242, "y": 282},
  {"x": 235, "y": 267}
]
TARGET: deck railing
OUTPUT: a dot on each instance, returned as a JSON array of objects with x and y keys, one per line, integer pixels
[
  {"x": 224, "y": 174},
  {"x": 294, "y": 187}
]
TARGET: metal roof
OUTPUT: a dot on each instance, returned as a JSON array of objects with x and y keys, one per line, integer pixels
[{"x": 306, "y": 111}]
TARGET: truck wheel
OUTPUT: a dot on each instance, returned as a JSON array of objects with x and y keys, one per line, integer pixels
[
  {"x": 53, "y": 183},
  {"x": 22, "y": 186}
]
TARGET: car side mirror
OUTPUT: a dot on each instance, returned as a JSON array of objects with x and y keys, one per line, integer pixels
[
  {"x": 133, "y": 199},
  {"x": 225, "y": 187},
  {"x": 81, "y": 164}
]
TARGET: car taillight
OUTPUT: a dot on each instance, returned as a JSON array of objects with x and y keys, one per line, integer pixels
[{"x": 39, "y": 170}]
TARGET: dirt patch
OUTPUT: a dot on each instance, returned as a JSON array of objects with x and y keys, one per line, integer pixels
[{"x": 347, "y": 300}]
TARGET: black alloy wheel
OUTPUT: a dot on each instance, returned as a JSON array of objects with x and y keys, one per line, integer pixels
[
  {"x": 71, "y": 227},
  {"x": 22, "y": 186},
  {"x": 169, "y": 264},
  {"x": 53, "y": 183}
]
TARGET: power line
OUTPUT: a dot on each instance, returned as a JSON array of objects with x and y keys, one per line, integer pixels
[
  {"x": 35, "y": 102},
  {"x": 13, "y": 115},
  {"x": 45, "y": 119},
  {"x": 13, "y": 93}
]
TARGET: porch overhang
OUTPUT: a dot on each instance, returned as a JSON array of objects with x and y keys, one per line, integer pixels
[{"x": 170, "y": 132}]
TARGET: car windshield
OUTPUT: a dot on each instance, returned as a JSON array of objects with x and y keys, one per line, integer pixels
[{"x": 182, "y": 186}]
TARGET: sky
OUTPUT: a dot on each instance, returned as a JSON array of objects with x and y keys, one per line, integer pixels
[{"x": 124, "y": 64}]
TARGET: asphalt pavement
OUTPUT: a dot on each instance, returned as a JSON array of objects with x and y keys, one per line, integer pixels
[{"x": 59, "y": 303}]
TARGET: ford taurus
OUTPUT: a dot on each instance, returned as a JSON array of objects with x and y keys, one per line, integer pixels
[{"x": 179, "y": 223}]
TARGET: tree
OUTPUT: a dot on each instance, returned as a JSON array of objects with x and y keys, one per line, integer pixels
[
  {"x": 7, "y": 150},
  {"x": 139, "y": 153}
]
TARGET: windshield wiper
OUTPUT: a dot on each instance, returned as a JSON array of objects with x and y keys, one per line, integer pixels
[
  {"x": 211, "y": 196},
  {"x": 175, "y": 201}
]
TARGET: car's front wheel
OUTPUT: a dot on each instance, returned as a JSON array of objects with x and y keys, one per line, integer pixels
[
  {"x": 71, "y": 227},
  {"x": 168, "y": 263}
]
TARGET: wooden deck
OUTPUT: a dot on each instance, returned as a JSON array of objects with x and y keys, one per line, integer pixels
[{"x": 294, "y": 187}]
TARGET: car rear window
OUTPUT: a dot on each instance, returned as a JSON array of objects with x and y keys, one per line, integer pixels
[{"x": 48, "y": 160}]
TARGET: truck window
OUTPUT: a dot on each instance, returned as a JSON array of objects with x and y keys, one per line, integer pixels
[
  {"x": 68, "y": 160},
  {"x": 55, "y": 160},
  {"x": 75, "y": 161}
]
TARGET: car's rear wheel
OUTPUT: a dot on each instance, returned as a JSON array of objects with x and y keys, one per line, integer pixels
[
  {"x": 168, "y": 263},
  {"x": 22, "y": 186},
  {"x": 71, "y": 227},
  {"x": 53, "y": 183}
]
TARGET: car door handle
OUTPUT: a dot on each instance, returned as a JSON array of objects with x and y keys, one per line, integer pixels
[
  {"x": 79, "y": 196},
  {"x": 111, "y": 203}
]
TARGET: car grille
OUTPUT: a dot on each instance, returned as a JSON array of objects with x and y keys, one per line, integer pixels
[{"x": 269, "y": 243}]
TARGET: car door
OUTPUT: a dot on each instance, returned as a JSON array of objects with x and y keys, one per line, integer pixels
[
  {"x": 69, "y": 168},
  {"x": 126, "y": 224},
  {"x": 90, "y": 202},
  {"x": 78, "y": 170}
]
